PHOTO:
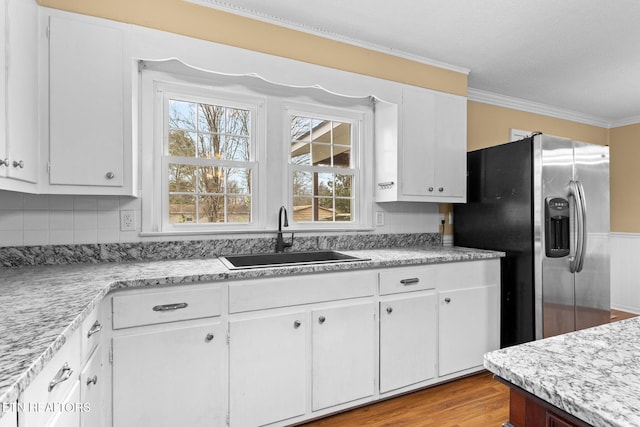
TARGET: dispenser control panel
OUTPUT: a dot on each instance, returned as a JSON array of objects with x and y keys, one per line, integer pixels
[{"x": 556, "y": 227}]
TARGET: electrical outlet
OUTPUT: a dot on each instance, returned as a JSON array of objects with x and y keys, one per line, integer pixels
[
  {"x": 379, "y": 218},
  {"x": 127, "y": 220}
]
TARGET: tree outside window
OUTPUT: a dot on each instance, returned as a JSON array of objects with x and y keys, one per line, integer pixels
[{"x": 209, "y": 148}]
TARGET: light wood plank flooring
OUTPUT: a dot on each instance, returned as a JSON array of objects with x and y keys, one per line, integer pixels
[{"x": 474, "y": 401}]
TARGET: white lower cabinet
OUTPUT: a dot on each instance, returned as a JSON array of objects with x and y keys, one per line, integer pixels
[
  {"x": 468, "y": 327},
  {"x": 171, "y": 376},
  {"x": 267, "y": 368},
  {"x": 408, "y": 336},
  {"x": 342, "y": 354}
]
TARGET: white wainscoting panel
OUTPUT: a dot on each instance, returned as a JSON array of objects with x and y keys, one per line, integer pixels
[{"x": 625, "y": 272}]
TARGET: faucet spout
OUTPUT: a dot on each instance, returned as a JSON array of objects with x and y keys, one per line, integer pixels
[{"x": 280, "y": 243}]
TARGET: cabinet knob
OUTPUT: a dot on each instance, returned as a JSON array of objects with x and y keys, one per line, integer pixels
[
  {"x": 19, "y": 164},
  {"x": 296, "y": 324},
  {"x": 93, "y": 380},
  {"x": 110, "y": 175},
  {"x": 430, "y": 189},
  {"x": 321, "y": 319},
  {"x": 4, "y": 162},
  {"x": 447, "y": 300},
  {"x": 441, "y": 189},
  {"x": 389, "y": 310},
  {"x": 209, "y": 337}
]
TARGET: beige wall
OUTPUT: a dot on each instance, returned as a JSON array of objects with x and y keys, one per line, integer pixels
[
  {"x": 490, "y": 125},
  {"x": 625, "y": 178},
  {"x": 182, "y": 17},
  {"x": 487, "y": 125}
]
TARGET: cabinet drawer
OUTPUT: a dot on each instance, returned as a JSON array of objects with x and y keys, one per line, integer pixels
[
  {"x": 407, "y": 279},
  {"x": 275, "y": 292},
  {"x": 170, "y": 305},
  {"x": 50, "y": 386}
]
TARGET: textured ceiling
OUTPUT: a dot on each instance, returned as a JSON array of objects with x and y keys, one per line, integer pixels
[{"x": 577, "y": 55}]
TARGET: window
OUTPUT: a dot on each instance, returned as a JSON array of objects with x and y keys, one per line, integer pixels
[
  {"x": 323, "y": 167},
  {"x": 208, "y": 161},
  {"x": 214, "y": 160}
]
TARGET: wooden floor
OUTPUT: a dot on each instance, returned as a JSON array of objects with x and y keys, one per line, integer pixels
[{"x": 475, "y": 401}]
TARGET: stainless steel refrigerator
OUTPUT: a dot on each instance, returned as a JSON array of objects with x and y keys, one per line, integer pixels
[{"x": 545, "y": 202}]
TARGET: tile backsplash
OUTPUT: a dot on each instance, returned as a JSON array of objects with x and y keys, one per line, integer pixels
[{"x": 30, "y": 219}]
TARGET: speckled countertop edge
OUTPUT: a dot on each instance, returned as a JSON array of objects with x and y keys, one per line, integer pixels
[
  {"x": 45, "y": 305},
  {"x": 593, "y": 374}
]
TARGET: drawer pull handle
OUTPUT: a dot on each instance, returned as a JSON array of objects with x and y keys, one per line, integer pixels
[
  {"x": 411, "y": 281},
  {"x": 389, "y": 310},
  {"x": 170, "y": 307},
  {"x": 63, "y": 374},
  {"x": 93, "y": 380},
  {"x": 296, "y": 324},
  {"x": 447, "y": 300},
  {"x": 321, "y": 319},
  {"x": 209, "y": 337},
  {"x": 386, "y": 185},
  {"x": 95, "y": 328}
]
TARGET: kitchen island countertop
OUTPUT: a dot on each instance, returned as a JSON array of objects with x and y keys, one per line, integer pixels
[
  {"x": 592, "y": 374},
  {"x": 43, "y": 306}
]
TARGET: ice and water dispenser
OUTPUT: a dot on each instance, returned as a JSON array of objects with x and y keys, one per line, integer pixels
[{"x": 556, "y": 226}]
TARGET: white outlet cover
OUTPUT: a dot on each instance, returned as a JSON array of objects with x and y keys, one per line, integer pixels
[{"x": 127, "y": 220}]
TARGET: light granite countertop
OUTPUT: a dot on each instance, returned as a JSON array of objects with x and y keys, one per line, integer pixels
[
  {"x": 43, "y": 306},
  {"x": 593, "y": 374}
]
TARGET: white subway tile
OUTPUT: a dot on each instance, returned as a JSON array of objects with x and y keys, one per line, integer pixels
[
  {"x": 108, "y": 203},
  {"x": 36, "y": 202},
  {"x": 61, "y": 237},
  {"x": 109, "y": 219},
  {"x": 12, "y": 238},
  {"x": 36, "y": 237},
  {"x": 108, "y": 235},
  {"x": 85, "y": 220},
  {"x": 11, "y": 200},
  {"x": 85, "y": 203},
  {"x": 36, "y": 220},
  {"x": 85, "y": 236},
  {"x": 60, "y": 203},
  {"x": 11, "y": 220},
  {"x": 60, "y": 220}
]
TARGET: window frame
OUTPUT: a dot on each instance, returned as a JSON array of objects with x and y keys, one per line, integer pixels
[
  {"x": 359, "y": 119},
  {"x": 155, "y": 189}
]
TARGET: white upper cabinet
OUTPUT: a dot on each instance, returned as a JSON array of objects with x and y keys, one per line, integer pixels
[
  {"x": 19, "y": 101},
  {"x": 421, "y": 152},
  {"x": 89, "y": 146}
]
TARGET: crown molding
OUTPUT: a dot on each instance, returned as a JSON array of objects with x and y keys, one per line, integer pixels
[
  {"x": 625, "y": 122},
  {"x": 270, "y": 19},
  {"x": 535, "y": 107}
]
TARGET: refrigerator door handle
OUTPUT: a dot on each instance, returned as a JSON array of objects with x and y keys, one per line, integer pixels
[
  {"x": 575, "y": 193},
  {"x": 583, "y": 208}
]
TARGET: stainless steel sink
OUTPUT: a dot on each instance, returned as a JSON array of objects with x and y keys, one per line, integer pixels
[{"x": 235, "y": 262}]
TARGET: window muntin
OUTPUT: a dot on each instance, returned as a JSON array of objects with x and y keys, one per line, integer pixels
[
  {"x": 323, "y": 168},
  {"x": 208, "y": 162}
]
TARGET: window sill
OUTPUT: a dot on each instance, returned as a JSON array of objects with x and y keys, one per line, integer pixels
[{"x": 254, "y": 231}]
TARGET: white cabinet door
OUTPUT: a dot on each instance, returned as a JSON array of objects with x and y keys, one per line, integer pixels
[
  {"x": 427, "y": 154},
  {"x": 267, "y": 375},
  {"x": 343, "y": 354},
  {"x": 92, "y": 385},
  {"x": 434, "y": 131},
  {"x": 86, "y": 103},
  {"x": 21, "y": 137},
  {"x": 173, "y": 376},
  {"x": 10, "y": 416},
  {"x": 467, "y": 328},
  {"x": 69, "y": 413},
  {"x": 408, "y": 340}
]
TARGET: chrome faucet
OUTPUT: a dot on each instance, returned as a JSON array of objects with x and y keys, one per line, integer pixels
[{"x": 280, "y": 244}]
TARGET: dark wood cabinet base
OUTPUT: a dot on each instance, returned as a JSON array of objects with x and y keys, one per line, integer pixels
[{"x": 527, "y": 410}]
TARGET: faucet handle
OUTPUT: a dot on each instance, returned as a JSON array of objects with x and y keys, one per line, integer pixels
[{"x": 290, "y": 244}]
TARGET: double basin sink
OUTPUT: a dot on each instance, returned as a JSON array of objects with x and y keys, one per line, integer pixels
[{"x": 236, "y": 262}]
